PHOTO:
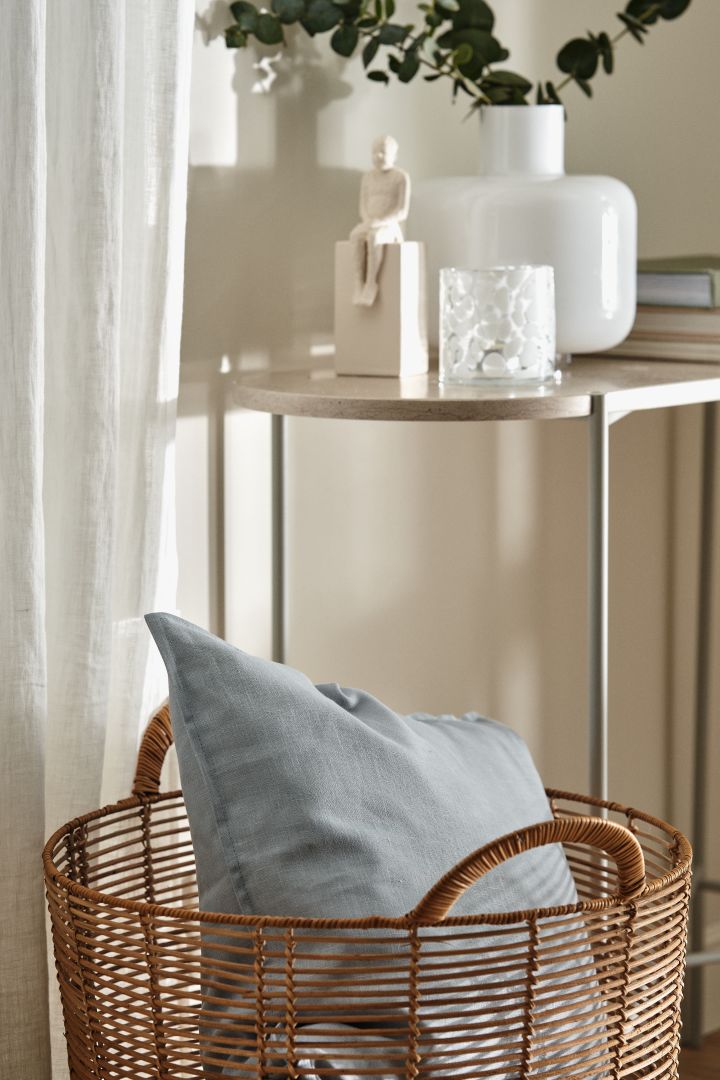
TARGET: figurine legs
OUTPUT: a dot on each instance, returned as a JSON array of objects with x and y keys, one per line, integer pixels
[
  {"x": 367, "y": 260},
  {"x": 375, "y": 254},
  {"x": 360, "y": 261}
]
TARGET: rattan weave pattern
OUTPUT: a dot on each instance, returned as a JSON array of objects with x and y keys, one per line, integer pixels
[{"x": 587, "y": 991}]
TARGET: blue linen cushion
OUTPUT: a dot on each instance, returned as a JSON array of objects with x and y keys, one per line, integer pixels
[
  {"x": 320, "y": 801},
  {"x": 309, "y": 800}
]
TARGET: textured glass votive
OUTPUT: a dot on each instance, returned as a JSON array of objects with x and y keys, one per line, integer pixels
[{"x": 497, "y": 324}]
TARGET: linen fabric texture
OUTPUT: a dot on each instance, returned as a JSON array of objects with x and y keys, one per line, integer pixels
[
  {"x": 94, "y": 122},
  {"x": 320, "y": 801}
]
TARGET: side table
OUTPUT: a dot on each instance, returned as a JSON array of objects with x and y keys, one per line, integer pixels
[{"x": 598, "y": 390}]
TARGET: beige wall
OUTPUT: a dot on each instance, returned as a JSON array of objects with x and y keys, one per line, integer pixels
[{"x": 442, "y": 567}]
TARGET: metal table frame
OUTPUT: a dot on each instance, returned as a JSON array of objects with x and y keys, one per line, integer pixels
[{"x": 605, "y": 405}]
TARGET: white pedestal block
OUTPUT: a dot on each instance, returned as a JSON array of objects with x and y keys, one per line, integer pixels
[{"x": 389, "y": 338}]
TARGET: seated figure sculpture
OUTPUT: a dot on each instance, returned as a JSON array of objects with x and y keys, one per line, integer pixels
[{"x": 384, "y": 204}]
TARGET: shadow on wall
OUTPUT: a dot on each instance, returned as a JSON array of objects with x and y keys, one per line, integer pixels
[
  {"x": 260, "y": 240},
  {"x": 259, "y": 258}
]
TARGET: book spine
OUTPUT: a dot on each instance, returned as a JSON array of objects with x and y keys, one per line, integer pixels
[
  {"x": 649, "y": 348},
  {"x": 687, "y": 323}
]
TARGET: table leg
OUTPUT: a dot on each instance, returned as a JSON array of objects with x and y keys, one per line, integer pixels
[
  {"x": 692, "y": 1028},
  {"x": 598, "y": 487},
  {"x": 279, "y": 598}
]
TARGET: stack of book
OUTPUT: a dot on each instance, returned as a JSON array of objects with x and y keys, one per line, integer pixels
[{"x": 678, "y": 316}]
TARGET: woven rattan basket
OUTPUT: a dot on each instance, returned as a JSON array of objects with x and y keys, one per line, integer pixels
[{"x": 152, "y": 987}]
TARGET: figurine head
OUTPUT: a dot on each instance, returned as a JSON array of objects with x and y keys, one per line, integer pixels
[{"x": 384, "y": 152}]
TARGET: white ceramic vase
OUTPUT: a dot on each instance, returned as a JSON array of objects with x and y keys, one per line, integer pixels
[{"x": 523, "y": 209}]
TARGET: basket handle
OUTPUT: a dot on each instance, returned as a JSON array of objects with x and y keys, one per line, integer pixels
[
  {"x": 156, "y": 741},
  {"x": 615, "y": 840}
]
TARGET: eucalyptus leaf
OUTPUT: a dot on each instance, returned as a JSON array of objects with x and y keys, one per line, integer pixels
[
  {"x": 578, "y": 58},
  {"x": 584, "y": 86},
  {"x": 392, "y": 34},
  {"x": 671, "y": 9},
  {"x": 636, "y": 28},
  {"x": 486, "y": 49},
  {"x": 473, "y": 14},
  {"x": 649, "y": 11},
  {"x": 552, "y": 93},
  {"x": 344, "y": 40},
  {"x": 366, "y": 22},
  {"x": 606, "y": 50},
  {"x": 508, "y": 79},
  {"x": 268, "y": 29},
  {"x": 462, "y": 55},
  {"x": 645, "y": 11},
  {"x": 235, "y": 38},
  {"x": 248, "y": 21},
  {"x": 321, "y": 16},
  {"x": 246, "y": 16},
  {"x": 370, "y": 51},
  {"x": 409, "y": 67},
  {"x": 389, "y": 8},
  {"x": 502, "y": 95},
  {"x": 378, "y": 76},
  {"x": 289, "y": 11},
  {"x": 240, "y": 7}
]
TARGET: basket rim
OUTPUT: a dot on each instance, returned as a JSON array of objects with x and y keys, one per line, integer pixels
[{"x": 147, "y": 909}]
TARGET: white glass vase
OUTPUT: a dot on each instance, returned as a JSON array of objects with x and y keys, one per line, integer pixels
[{"x": 523, "y": 209}]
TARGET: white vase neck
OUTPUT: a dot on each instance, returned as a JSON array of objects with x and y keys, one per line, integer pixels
[{"x": 524, "y": 139}]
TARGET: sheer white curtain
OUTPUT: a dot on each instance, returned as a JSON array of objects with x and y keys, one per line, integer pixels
[{"x": 93, "y": 164}]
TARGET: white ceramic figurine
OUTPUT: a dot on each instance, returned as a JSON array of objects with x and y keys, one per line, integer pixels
[{"x": 384, "y": 204}]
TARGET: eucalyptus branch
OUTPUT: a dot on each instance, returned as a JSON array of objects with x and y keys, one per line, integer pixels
[
  {"x": 457, "y": 34},
  {"x": 653, "y": 11},
  {"x": 581, "y": 57}
]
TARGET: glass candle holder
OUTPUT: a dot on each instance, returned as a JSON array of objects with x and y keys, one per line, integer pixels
[{"x": 497, "y": 325}]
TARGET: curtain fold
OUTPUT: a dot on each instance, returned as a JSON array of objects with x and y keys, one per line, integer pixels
[
  {"x": 24, "y": 1042},
  {"x": 94, "y": 127}
]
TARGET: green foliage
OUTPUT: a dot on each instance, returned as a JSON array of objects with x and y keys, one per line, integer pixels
[
  {"x": 408, "y": 66},
  {"x": 649, "y": 11},
  {"x": 637, "y": 27},
  {"x": 246, "y": 17},
  {"x": 579, "y": 58},
  {"x": 321, "y": 16},
  {"x": 390, "y": 34},
  {"x": 289, "y": 11},
  {"x": 344, "y": 40},
  {"x": 606, "y": 51},
  {"x": 370, "y": 51},
  {"x": 269, "y": 29},
  {"x": 454, "y": 41}
]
